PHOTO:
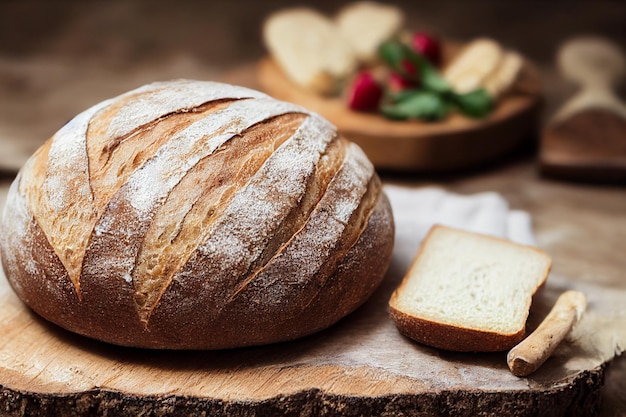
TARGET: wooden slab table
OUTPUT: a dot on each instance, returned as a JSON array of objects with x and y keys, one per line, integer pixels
[{"x": 360, "y": 366}]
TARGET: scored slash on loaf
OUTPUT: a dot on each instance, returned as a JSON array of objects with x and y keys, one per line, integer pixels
[{"x": 196, "y": 215}]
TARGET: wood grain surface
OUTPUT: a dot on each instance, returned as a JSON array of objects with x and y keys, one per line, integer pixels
[{"x": 587, "y": 146}]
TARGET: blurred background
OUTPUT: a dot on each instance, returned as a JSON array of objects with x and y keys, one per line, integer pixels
[{"x": 59, "y": 57}]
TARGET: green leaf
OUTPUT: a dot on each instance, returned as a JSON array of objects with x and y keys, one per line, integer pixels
[
  {"x": 431, "y": 79},
  {"x": 477, "y": 103},
  {"x": 393, "y": 53},
  {"x": 436, "y": 98},
  {"x": 418, "y": 104},
  {"x": 396, "y": 96}
]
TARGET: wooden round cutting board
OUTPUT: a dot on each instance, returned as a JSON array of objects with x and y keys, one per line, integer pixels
[
  {"x": 361, "y": 366},
  {"x": 455, "y": 143}
]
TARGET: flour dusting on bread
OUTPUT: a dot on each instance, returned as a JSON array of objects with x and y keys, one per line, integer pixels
[{"x": 152, "y": 218}]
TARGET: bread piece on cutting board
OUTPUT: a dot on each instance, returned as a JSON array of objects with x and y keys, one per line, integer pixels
[
  {"x": 309, "y": 48},
  {"x": 366, "y": 25},
  {"x": 478, "y": 60},
  {"x": 468, "y": 292}
]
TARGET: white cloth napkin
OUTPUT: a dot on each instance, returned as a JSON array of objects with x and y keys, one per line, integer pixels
[{"x": 417, "y": 210}]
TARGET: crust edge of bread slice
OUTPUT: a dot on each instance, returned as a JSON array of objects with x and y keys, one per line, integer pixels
[
  {"x": 450, "y": 337},
  {"x": 455, "y": 337}
]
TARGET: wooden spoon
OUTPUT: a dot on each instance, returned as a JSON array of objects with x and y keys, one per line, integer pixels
[{"x": 586, "y": 139}]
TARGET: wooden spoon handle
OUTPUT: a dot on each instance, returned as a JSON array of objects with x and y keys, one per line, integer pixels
[
  {"x": 593, "y": 62},
  {"x": 598, "y": 65}
]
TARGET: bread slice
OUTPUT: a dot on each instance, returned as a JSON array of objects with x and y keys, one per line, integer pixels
[
  {"x": 468, "y": 292},
  {"x": 477, "y": 61},
  {"x": 367, "y": 24},
  {"x": 505, "y": 75},
  {"x": 309, "y": 48}
]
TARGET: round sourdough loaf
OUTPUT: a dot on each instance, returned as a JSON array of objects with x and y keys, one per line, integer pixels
[{"x": 196, "y": 215}]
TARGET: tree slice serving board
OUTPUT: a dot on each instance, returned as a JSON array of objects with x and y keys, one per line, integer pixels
[
  {"x": 360, "y": 366},
  {"x": 456, "y": 143}
]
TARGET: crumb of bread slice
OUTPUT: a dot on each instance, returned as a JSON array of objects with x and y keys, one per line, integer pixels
[
  {"x": 468, "y": 292},
  {"x": 473, "y": 65},
  {"x": 503, "y": 78},
  {"x": 309, "y": 49},
  {"x": 366, "y": 25}
]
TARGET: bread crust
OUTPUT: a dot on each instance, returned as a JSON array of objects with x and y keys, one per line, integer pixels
[
  {"x": 296, "y": 235},
  {"x": 450, "y": 337}
]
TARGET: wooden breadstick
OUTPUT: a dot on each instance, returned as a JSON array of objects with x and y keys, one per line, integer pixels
[{"x": 532, "y": 352}]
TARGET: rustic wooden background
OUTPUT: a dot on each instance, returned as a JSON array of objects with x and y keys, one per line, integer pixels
[{"x": 58, "y": 57}]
